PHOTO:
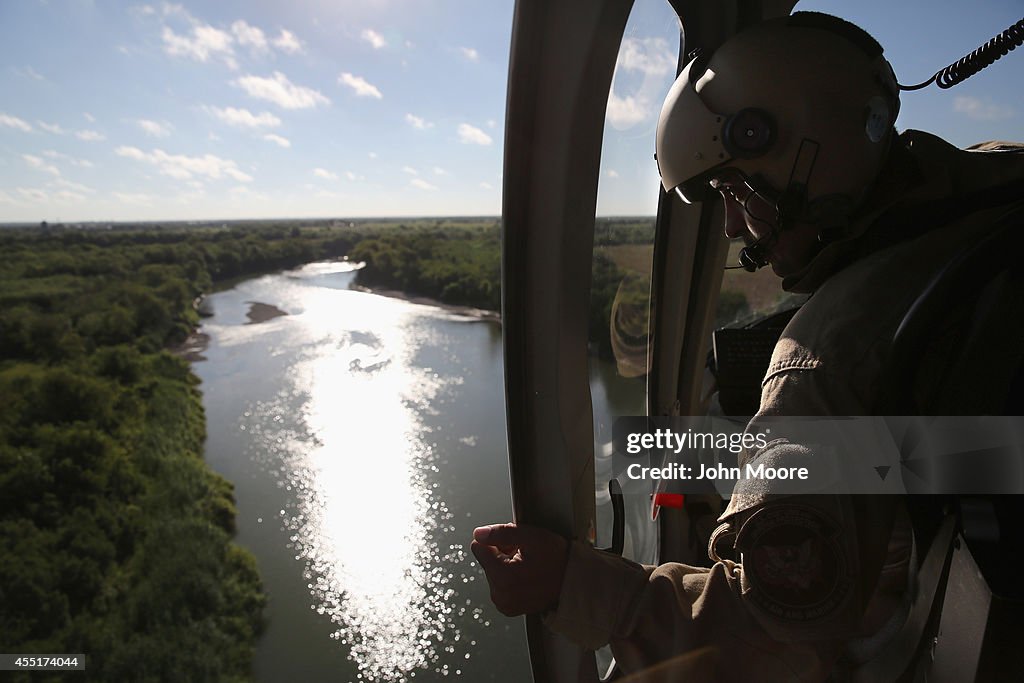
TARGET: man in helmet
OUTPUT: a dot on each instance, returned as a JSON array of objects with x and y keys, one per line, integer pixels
[
  {"x": 791, "y": 125},
  {"x": 790, "y": 122}
]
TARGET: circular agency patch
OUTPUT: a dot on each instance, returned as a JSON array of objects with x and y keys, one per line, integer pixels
[
  {"x": 794, "y": 563},
  {"x": 876, "y": 122}
]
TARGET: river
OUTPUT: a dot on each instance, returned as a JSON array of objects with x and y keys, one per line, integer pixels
[{"x": 365, "y": 437}]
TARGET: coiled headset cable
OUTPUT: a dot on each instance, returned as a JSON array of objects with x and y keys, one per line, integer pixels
[{"x": 984, "y": 56}]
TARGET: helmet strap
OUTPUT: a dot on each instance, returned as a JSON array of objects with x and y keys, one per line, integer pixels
[
  {"x": 793, "y": 201},
  {"x": 830, "y": 214}
]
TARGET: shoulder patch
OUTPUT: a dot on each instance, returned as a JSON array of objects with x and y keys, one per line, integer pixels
[{"x": 794, "y": 563}]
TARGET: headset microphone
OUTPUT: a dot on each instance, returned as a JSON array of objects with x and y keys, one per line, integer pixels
[
  {"x": 752, "y": 257},
  {"x": 792, "y": 202}
]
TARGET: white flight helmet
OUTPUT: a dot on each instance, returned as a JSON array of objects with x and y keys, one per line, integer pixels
[{"x": 801, "y": 107}]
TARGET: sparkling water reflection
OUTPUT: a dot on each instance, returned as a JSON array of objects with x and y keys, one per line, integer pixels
[{"x": 348, "y": 437}]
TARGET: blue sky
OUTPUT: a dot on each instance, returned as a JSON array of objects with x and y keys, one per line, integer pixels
[{"x": 196, "y": 110}]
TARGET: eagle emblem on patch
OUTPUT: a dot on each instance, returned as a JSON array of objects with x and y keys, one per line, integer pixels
[{"x": 794, "y": 563}]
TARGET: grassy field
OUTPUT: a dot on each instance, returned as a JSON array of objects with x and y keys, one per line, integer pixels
[
  {"x": 762, "y": 289},
  {"x": 631, "y": 257}
]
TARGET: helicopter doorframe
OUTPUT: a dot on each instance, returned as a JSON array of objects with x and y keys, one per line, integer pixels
[{"x": 562, "y": 60}]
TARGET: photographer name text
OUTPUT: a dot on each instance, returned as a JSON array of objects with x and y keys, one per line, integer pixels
[{"x": 678, "y": 472}]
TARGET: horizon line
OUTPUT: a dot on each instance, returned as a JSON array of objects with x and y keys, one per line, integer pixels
[{"x": 203, "y": 221}]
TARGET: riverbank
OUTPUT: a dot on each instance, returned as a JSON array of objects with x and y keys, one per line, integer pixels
[
  {"x": 468, "y": 311},
  {"x": 196, "y": 343},
  {"x": 193, "y": 347}
]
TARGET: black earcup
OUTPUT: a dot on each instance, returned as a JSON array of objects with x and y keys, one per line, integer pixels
[{"x": 748, "y": 133}]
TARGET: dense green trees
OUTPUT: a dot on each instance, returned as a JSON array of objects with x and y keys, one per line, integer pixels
[
  {"x": 115, "y": 537},
  {"x": 461, "y": 264},
  {"x": 455, "y": 264}
]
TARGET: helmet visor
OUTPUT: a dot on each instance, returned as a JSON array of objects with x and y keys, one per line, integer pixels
[{"x": 696, "y": 189}]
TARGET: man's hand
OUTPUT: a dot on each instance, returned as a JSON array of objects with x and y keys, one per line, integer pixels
[{"x": 524, "y": 566}]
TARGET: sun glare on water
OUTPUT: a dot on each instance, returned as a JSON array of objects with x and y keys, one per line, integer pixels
[{"x": 366, "y": 522}]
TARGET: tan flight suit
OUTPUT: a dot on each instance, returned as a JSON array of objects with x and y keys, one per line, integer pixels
[{"x": 827, "y": 362}]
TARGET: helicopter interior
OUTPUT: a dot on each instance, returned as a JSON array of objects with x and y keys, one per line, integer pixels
[{"x": 562, "y": 64}]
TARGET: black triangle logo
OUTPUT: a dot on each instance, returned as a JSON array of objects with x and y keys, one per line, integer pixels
[{"x": 883, "y": 471}]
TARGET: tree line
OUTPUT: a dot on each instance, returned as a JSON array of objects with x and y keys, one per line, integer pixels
[{"x": 461, "y": 264}]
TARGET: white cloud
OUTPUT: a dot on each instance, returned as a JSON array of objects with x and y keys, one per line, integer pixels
[
  {"x": 612, "y": 173},
  {"x": 440, "y": 171},
  {"x": 353, "y": 177},
  {"x": 486, "y": 186},
  {"x": 243, "y": 118},
  {"x": 470, "y": 135},
  {"x": 421, "y": 184},
  {"x": 626, "y": 111},
  {"x": 90, "y": 135},
  {"x": 287, "y": 41},
  {"x": 470, "y": 53},
  {"x": 981, "y": 110},
  {"x": 131, "y": 153},
  {"x": 14, "y": 122},
  {"x": 282, "y": 92},
  {"x": 51, "y": 128},
  {"x": 53, "y": 154},
  {"x": 28, "y": 72},
  {"x": 41, "y": 196},
  {"x": 40, "y": 165},
  {"x": 418, "y": 123},
  {"x": 76, "y": 187},
  {"x": 647, "y": 65},
  {"x": 132, "y": 197},
  {"x": 248, "y": 35},
  {"x": 410, "y": 170},
  {"x": 647, "y": 55},
  {"x": 372, "y": 155},
  {"x": 174, "y": 9},
  {"x": 243, "y": 192},
  {"x": 360, "y": 85},
  {"x": 325, "y": 174},
  {"x": 183, "y": 167},
  {"x": 204, "y": 43},
  {"x": 89, "y": 117},
  {"x": 157, "y": 129},
  {"x": 68, "y": 196},
  {"x": 491, "y": 123},
  {"x": 33, "y": 194},
  {"x": 373, "y": 38},
  {"x": 277, "y": 140}
]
